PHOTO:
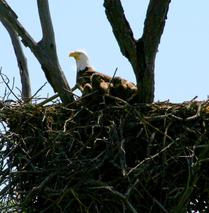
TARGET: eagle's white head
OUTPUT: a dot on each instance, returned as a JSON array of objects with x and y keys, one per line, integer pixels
[{"x": 82, "y": 59}]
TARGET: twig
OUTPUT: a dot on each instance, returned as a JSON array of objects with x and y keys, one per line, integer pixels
[
  {"x": 193, "y": 99},
  {"x": 48, "y": 100},
  {"x": 113, "y": 76},
  {"x": 116, "y": 69},
  {"x": 120, "y": 195},
  {"x": 39, "y": 90},
  {"x": 196, "y": 115},
  {"x": 36, "y": 189},
  {"x": 150, "y": 158},
  {"x": 7, "y": 85},
  {"x": 117, "y": 99},
  {"x": 56, "y": 96}
]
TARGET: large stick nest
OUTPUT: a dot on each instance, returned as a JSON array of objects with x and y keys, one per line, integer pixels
[{"x": 101, "y": 154}]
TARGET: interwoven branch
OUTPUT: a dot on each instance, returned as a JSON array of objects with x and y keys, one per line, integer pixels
[{"x": 106, "y": 157}]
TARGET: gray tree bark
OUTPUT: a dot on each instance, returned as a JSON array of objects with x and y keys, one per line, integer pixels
[
  {"x": 44, "y": 50},
  {"x": 21, "y": 61},
  {"x": 140, "y": 52}
]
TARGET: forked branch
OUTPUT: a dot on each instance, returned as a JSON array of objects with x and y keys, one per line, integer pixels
[
  {"x": 44, "y": 51},
  {"x": 142, "y": 52}
]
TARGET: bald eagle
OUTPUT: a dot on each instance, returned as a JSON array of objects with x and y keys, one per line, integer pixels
[{"x": 88, "y": 79}]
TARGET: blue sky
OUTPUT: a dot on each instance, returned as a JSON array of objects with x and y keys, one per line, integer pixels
[{"x": 182, "y": 63}]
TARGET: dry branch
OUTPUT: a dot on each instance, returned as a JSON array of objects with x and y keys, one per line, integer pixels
[
  {"x": 6, "y": 81},
  {"x": 21, "y": 61},
  {"x": 44, "y": 51},
  {"x": 122, "y": 30},
  {"x": 104, "y": 155},
  {"x": 148, "y": 45},
  {"x": 141, "y": 53}
]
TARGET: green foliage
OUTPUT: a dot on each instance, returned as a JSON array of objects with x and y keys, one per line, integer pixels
[{"x": 101, "y": 154}]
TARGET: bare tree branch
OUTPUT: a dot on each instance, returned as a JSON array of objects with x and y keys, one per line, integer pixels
[
  {"x": 148, "y": 46},
  {"x": 140, "y": 53},
  {"x": 8, "y": 14},
  {"x": 121, "y": 29},
  {"x": 46, "y": 23},
  {"x": 21, "y": 61},
  {"x": 48, "y": 39},
  {"x": 50, "y": 62},
  {"x": 154, "y": 26},
  {"x": 6, "y": 81},
  {"x": 45, "y": 52}
]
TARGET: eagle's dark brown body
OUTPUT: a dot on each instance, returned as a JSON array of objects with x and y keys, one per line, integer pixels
[{"x": 89, "y": 80}]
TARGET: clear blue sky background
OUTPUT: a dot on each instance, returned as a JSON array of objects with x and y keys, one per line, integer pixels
[{"x": 182, "y": 63}]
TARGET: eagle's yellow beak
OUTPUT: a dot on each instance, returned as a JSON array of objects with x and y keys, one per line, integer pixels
[{"x": 75, "y": 55}]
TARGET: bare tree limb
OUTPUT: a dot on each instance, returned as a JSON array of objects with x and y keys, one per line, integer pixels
[
  {"x": 142, "y": 52},
  {"x": 48, "y": 39},
  {"x": 148, "y": 46},
  {"x": 46, "y": 23},
  {"x": 21, "y": 61},
  {"x": 8, "y": 14},
  {"x": 121, "y": 29},
  {"x": 45, "y": 52},
  {"x": 154, "y": 26},
  {"x": 50, "y": 62}
]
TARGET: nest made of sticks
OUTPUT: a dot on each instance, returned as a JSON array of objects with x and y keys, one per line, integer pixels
[{"x": 101, "y": 154}]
